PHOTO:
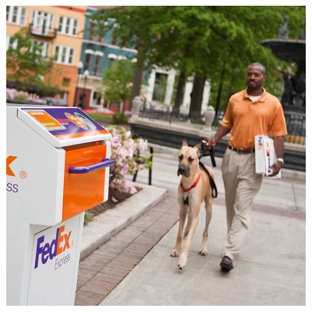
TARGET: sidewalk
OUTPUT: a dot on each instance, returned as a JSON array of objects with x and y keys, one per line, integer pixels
[{"x": 131, "y": 263}]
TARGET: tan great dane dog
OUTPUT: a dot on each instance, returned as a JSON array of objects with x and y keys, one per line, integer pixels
[{"x": 195, "y": 187}]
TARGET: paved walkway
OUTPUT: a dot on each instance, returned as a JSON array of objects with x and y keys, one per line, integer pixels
[
  {"x": 133, "y": 266},
  {"x": 107, "y": 266}
]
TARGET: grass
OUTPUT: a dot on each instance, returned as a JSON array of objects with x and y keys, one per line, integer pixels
[
  {"x": 88, "y": 217},
  {"x": 101, "y": 117}
]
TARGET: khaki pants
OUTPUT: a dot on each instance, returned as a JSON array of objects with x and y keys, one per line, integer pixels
[{"x": 241, "y": 185}]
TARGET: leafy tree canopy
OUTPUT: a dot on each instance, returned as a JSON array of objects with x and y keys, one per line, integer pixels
[
  {"x": 206, "y": 40},
  {"x": 117, "y": 81},
  {"x": 25, "y": 60}
]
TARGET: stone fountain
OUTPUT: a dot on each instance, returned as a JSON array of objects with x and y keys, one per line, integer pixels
[{"x": 294, "y": 94}]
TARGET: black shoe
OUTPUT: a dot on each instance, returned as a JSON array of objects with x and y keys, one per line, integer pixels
[{"x": 226, "y": 264}]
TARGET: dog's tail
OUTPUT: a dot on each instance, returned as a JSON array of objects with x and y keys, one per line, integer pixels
[{"x": 212, "y": 182}]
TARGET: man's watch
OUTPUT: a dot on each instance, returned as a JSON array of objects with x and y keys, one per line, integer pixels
[{"x": 280, "y": 160}]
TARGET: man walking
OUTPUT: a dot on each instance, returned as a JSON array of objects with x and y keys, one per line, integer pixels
[{"x": 252, "y": 111}]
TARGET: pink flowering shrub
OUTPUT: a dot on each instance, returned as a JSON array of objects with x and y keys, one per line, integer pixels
[
  {"x": 13, "y": 94},
  {"x": 126, "y": 152}
]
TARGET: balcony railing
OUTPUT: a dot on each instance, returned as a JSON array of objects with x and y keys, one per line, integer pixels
[{"x": 42, "y": 31}]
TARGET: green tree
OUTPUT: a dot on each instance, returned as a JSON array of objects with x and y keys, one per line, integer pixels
[
  {"x": 117, "y": 81},
  {"x": 206, "y": 42},
  {"x": 25, "y": 60},
  {"x": 218, "y": 43},
  {"x": 131, "y": 28}
]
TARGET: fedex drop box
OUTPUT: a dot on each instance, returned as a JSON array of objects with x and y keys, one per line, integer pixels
[{"x": 57, "y": 167}]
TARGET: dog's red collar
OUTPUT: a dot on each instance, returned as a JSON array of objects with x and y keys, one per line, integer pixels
[{"x": 192, "y": 186}]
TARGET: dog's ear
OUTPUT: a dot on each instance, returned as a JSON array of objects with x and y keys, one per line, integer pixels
[
  {"x": 184, "y": 142},
  {"x": 199, "y": 149},
  {"x": 198, "y": 145}
]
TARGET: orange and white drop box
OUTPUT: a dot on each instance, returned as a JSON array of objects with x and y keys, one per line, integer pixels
[{"x": 57, "y": 167}]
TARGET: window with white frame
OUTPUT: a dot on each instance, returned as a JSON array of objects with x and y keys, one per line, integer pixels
[
  {"x": 67, "y": 25},
  {"x": 45, "y": 48},
  {"x": 97, "y": 98},
  {"x": 41, "y": 22},
  {"x": 88, "y": 59},
  {"x": 112, "y": 57},
  {"x": 65, "y": 55},
  {"x": 97, "y": 63},
  {"x": 10, "y": 42},
  {"x": 16, "y": 15}
]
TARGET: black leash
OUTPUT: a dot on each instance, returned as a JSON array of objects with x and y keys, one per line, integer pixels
[{"x": 212, "y": 182}]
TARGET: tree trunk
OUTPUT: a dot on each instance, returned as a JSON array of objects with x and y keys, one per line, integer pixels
[
  {"x": 137, "y": 81},
  {"x": 197, "y": 96},
  {"x": 219, "y": 92},
  {"x": 138, "y": 74},
  {"x": 179, "y": 94}
]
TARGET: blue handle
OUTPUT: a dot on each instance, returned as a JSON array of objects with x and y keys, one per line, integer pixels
[{"x": 106, "y": 162}]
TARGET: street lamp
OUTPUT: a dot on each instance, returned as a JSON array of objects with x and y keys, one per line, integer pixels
[
  {"x": 85, "y": 75},
  {"x": 80, "y": 65}
]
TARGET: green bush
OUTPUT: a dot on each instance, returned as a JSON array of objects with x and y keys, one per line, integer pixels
[{"x": 120, "y": 118}]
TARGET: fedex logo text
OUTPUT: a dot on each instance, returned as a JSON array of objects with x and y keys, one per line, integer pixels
[
  {"x": 268, "y": 155},
  {"x": 46, "y": 251},
  {"x": 259, "y": 143},
  {"x": 11, "y": 187},
  {"x": 9, "y": 160}
]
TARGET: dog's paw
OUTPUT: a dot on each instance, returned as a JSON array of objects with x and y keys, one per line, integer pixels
[
  {"x": 203, "y": 250},
  {"x": 174, "y": 253},
  {"x": 182, "y": 263}
]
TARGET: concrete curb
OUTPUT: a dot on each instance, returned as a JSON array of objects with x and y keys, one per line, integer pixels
[{"x": 107, "y": 224}]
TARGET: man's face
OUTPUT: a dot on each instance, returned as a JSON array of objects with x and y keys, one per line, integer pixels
[{"x": 255, "y": 77}]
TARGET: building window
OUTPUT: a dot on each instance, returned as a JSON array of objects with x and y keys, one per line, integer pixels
[
  {"x": 160, "y": 87},
  {"x": 68, "y": 26},
  {"x": 92, "y": 36},
  {"x": 16, "y": 15},
  {"x": 111, "y": 57},
  {"x": 88, "y": 59},
  {"x": 97, "y": 65},
  {"x": 64, "y": 54},
  {"x": 88, "y": 62},
  {"x": 65, "y": 82},
  {"x": 10, "y": 42},
  {"x": 41, "y": 22},
  {"x": 45, "y": 48},
  {"x": 97, "y": 98}
]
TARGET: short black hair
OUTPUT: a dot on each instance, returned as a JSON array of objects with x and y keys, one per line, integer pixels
[{"x": 258, "y": 64}]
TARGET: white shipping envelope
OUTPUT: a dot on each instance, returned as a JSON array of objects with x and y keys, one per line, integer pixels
[{"x": 265, "y": 155}]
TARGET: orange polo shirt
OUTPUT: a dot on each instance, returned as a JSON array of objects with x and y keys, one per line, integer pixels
[{"x": 246, "y": 118}]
